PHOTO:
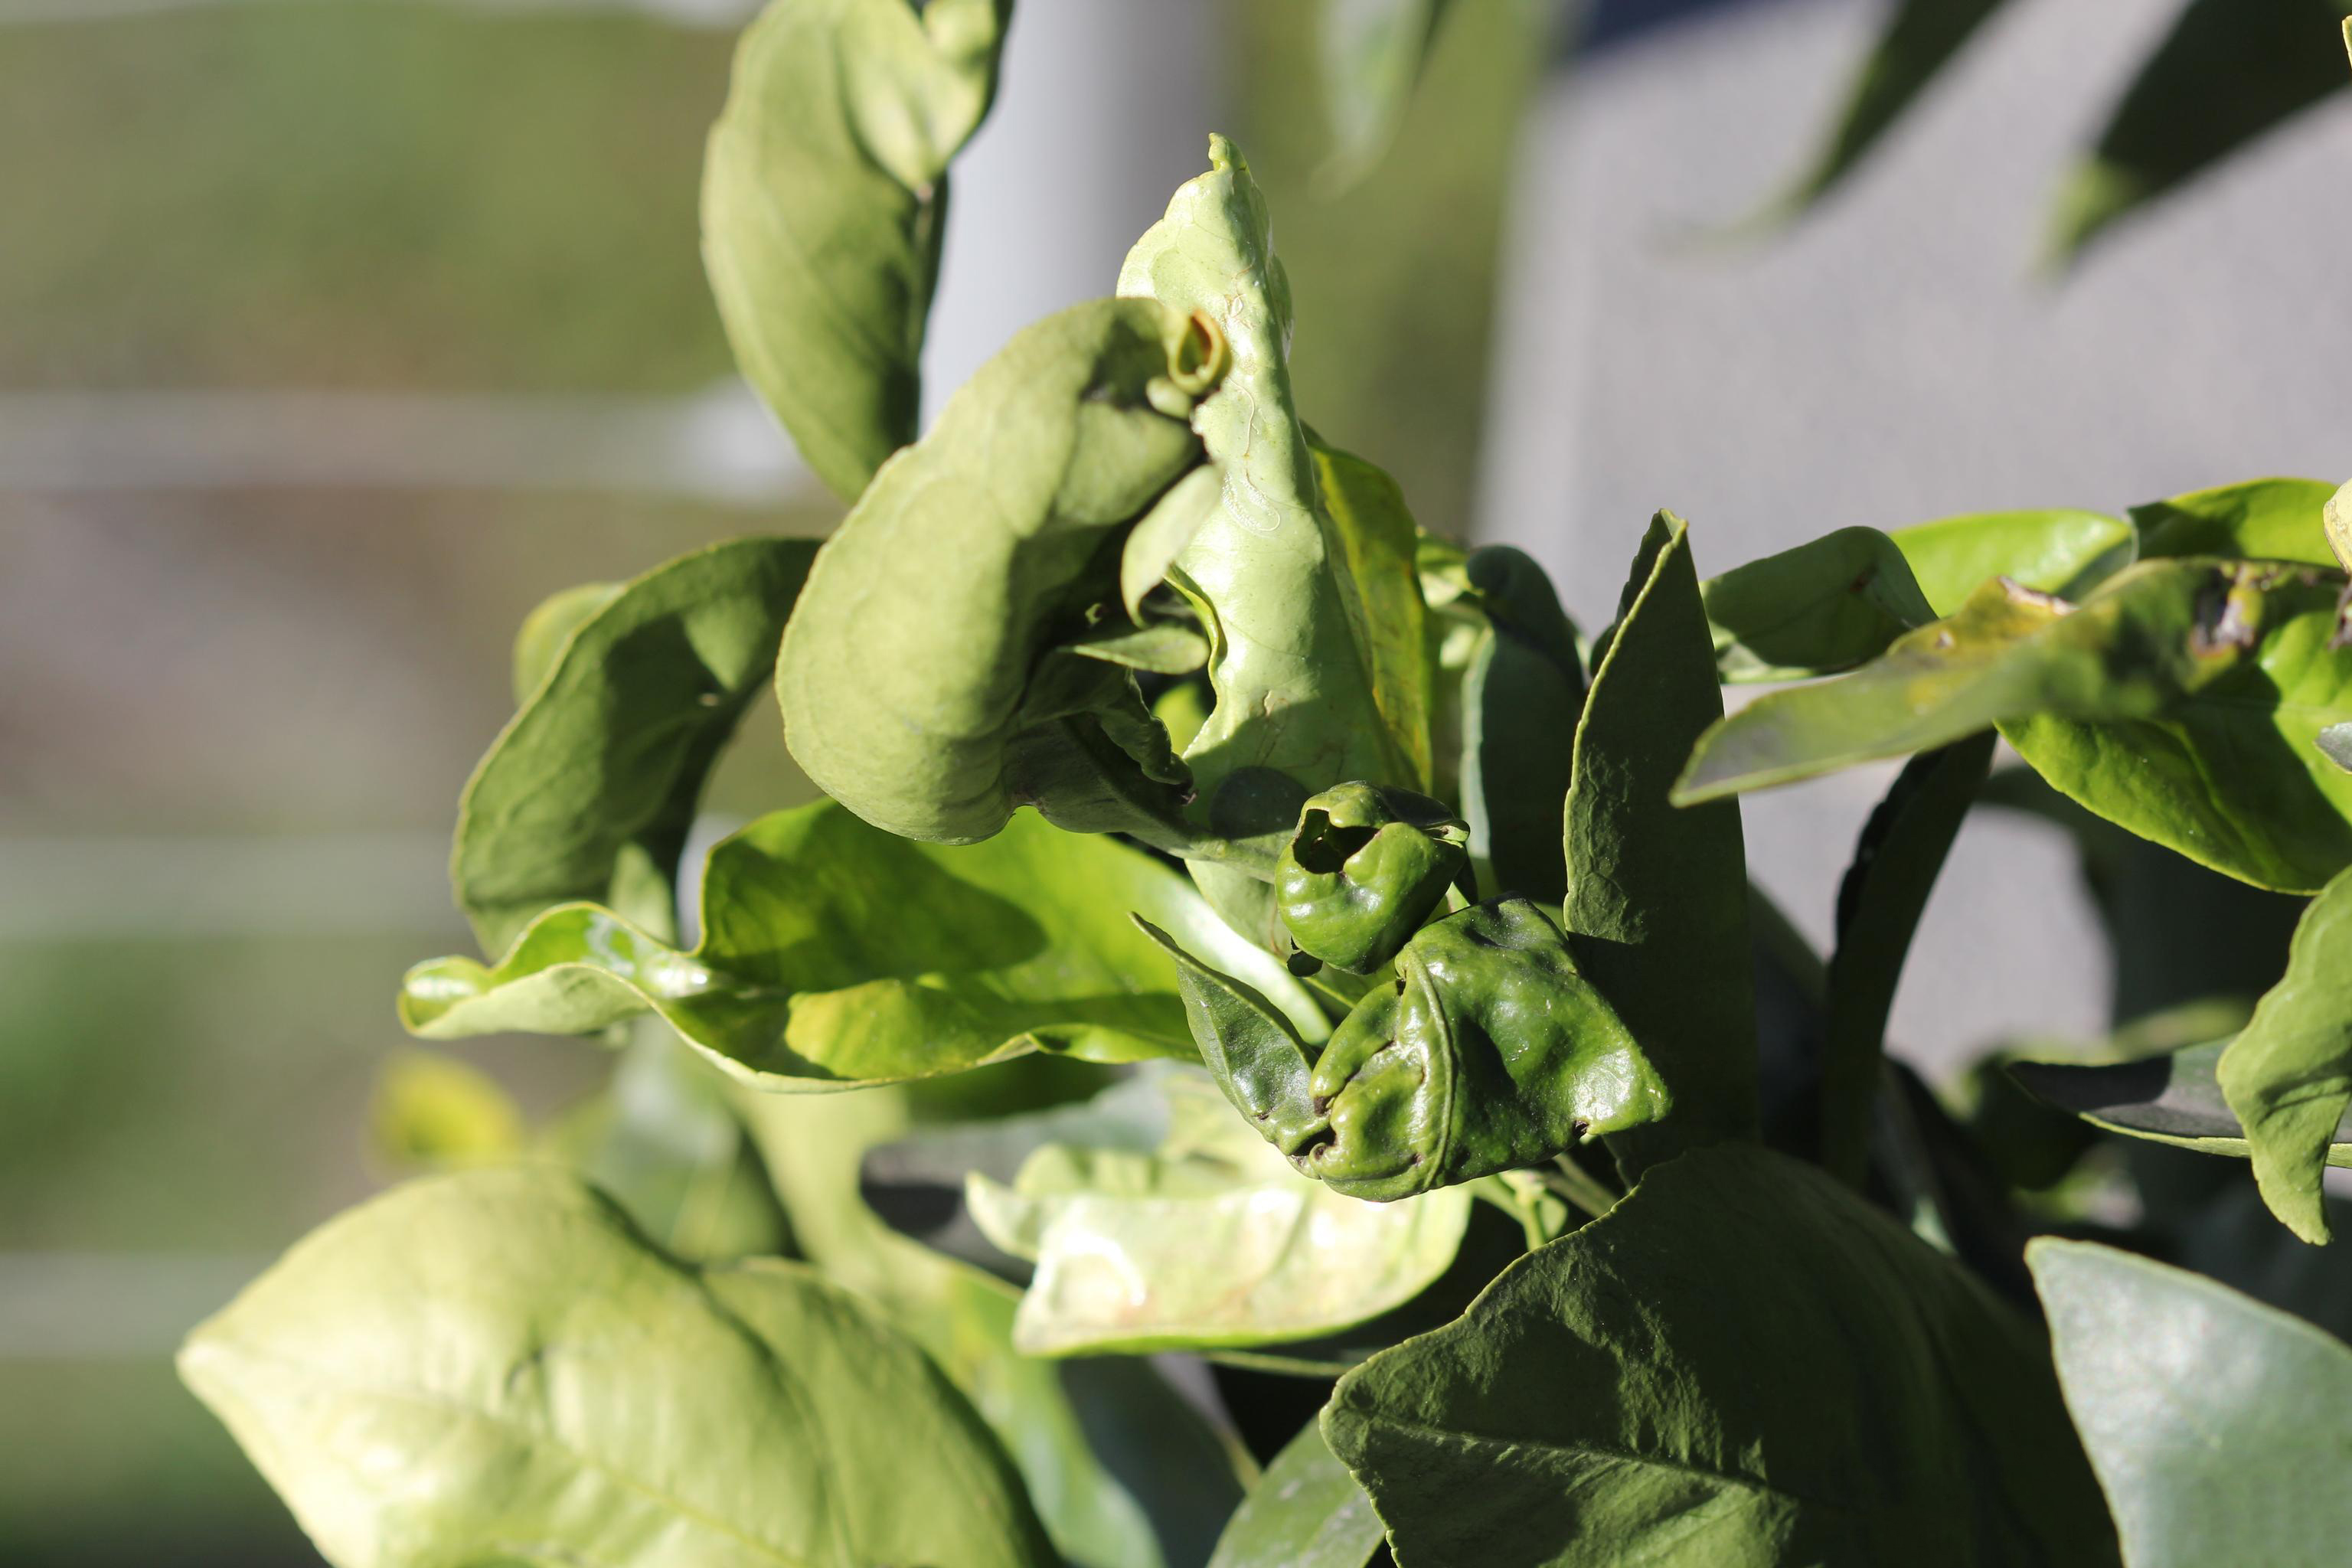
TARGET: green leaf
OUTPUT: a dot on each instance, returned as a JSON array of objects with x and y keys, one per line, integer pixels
[
  {"x": 434, "y": 1112},
  {"x": 2269, "y": 519},
  {"x": 824, "y": 200},
  {"x": 2218, "y": 1426},
  {"x": 1828, "y": 605},
  {"x": 1742, "y": 1362},
  {"x": 2336, "y": 516},
  {"x": 2288, "y": 1075},
  {"x": 549, "y": 627},
  {"x": 2228, "y": 71},
  {"x": 1365, "y": 869},
  {"x": 2183, "y": 701},
  {"x": 496, "y": 1365},
  {"x": 1372, "y": 53},
  {"x": 589, "y": 790},
  {"x": 1125, "y": 1472},
  {"x": 1879, "y": 904},
  {"x": 1302, "y": 651},
  {"x": 1305, "y": 1511},
  {"x": 917, "y": 677},
  {"x": 2173, "y": 1096},
  {"x": 2055, "y": 551},
  {"x": 1657, "y": 899},
  {"x": 1921, "y": 38},
  {"x": 1378, "y": 541},
  {"x": 664, "y": 1143},
  {"x": 1522, "y": 692},
  {"x": 1210, "y": 1241},
  {"x": 835, "y": 955}
]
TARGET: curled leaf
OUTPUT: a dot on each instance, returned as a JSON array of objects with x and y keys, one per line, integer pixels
[
  {"x": 919, "y": 676},
  {"x": 1827, "y": 604},
  {"x": 824, "y": 199},
  {"x": 1364, "y": 869}
]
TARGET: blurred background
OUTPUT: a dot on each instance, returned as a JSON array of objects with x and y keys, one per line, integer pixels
[{"x": 335, "y": 334}]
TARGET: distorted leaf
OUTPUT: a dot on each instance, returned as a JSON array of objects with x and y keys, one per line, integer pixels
[
  {"x": 1305, "y": 1511},
  {"x": 2218, "y": 1426},
  {"x": 1827, "y": 604},
  {"x": 918, "y": 677},
  {"x": 1658, "y": 897},
  {"x": 1743, "y": 1362},
  {"x": 2245, "y": 66},
  {"x": 1364, "y": 869},
  {"x": 589, "y": 790},
  {"x": 476, "y": 1362},
  {"x": 1209, "y": 1240},
  {"x": 824, "y": 200},
  {"x": 834, "y": 955},
  {"x": 2288, "y": 1075}
]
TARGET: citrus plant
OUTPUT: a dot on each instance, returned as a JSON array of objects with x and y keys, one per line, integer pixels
[{"x": 1240, "y": 924}]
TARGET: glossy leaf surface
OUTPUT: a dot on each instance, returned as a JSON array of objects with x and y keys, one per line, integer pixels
[
  {"x": 824, "y": 200},
  {"x": 1305, "y": 1511},
  {"x": 2288, "y": 1075},
  {"x": 1827, "y": 604},
  {"x": 1295, "y": 673},
  {"x": 1743, "y": 1362},
  {"x": 1210, "y": 1240},
  {"x": 589, "y": 790},
  {"x": 2219, "y": 1426},
  {"x": 2055, "y": 552},
  {"x": 498, "y": 1366},
  {"x": 1364, "y": 869},
  {"x": 1658, "y": 897},
  {"x": 2268, "y": 520},
  {"x": 916, "y": 677},
  {"x": 835, "y": 955},
  {"x": 2173, "y": 1096},
  {"x": 2248, "y": 66}
]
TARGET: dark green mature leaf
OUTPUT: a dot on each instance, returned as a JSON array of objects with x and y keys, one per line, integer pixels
[
  {"x": 1364, "y": 869},
  {"x": 2228, "y": 71},
  {"x": 1303, "y": 651},
  {"x": 1878, "y": 909},
  {"x": 1657, "y": 899},
  {"x": 1488, "y": 1053},
  {"x": 498, "y": 1365},
  {"x": 2288, "y": 1075},
  {"x": 2180, "y": 701},
  {"x": 1305, "y": 1511},
  {"x": 835, "y": 955},
  {"x": 1380, "y": 543},
  {"x": 2174, "y": 1096},
  {"x": 2055, "y": 551},
  {"x": 919, "y": 676},
  {"x": 1372, "y": 52},
  {"x": 1210, "y": 1240},
  {"x": 824, "y": 200},
  {"x": 2221, "y": 1428},
  {"x": 1920, "y": 39},
  {"x": 1125, "y": 1472},
  {"x": 2269, "y": 519},
  {"x": 1522, "y": 694},
  {"x": 1828, "y": 605},
  {"x": 589, "y": 790},
  {"x": 1742, "y": 1362}
]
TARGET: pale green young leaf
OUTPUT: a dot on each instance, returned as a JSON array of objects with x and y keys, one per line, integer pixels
[
  {"x": 1371, "y": 53},
  {"x": 824, "y": 200},
  {"x": 2221, "y": 1428},
  {"x": 1210, "y": 1241},
  {"x": 918, "y": 678},
  {"x": 2053, "y": 551},
  {"x": 589, "y": 790},
  {"x": 549, "y": 627},
  {"x": 2288, "y": 1075},
  {"x": 835, "y": 955},
  {"x": 1743, "y": 1362},
  {"x": 432, "y": 1112},
  {"x": 1305, "y": 1511},
  {"x": 496, "y": 1365},
  {"x": 1658, "y": 897}
]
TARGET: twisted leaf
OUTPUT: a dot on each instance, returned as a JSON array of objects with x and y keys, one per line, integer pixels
[
  {"x": 478, "y": 1368},
  {"x": 1364, "y": 871},
  {"x": 824, "y": 200},
  {"x": 835, "y": 955},
  {"x": 921, "y": 679},
  {"x": 589, "y": 790}
]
